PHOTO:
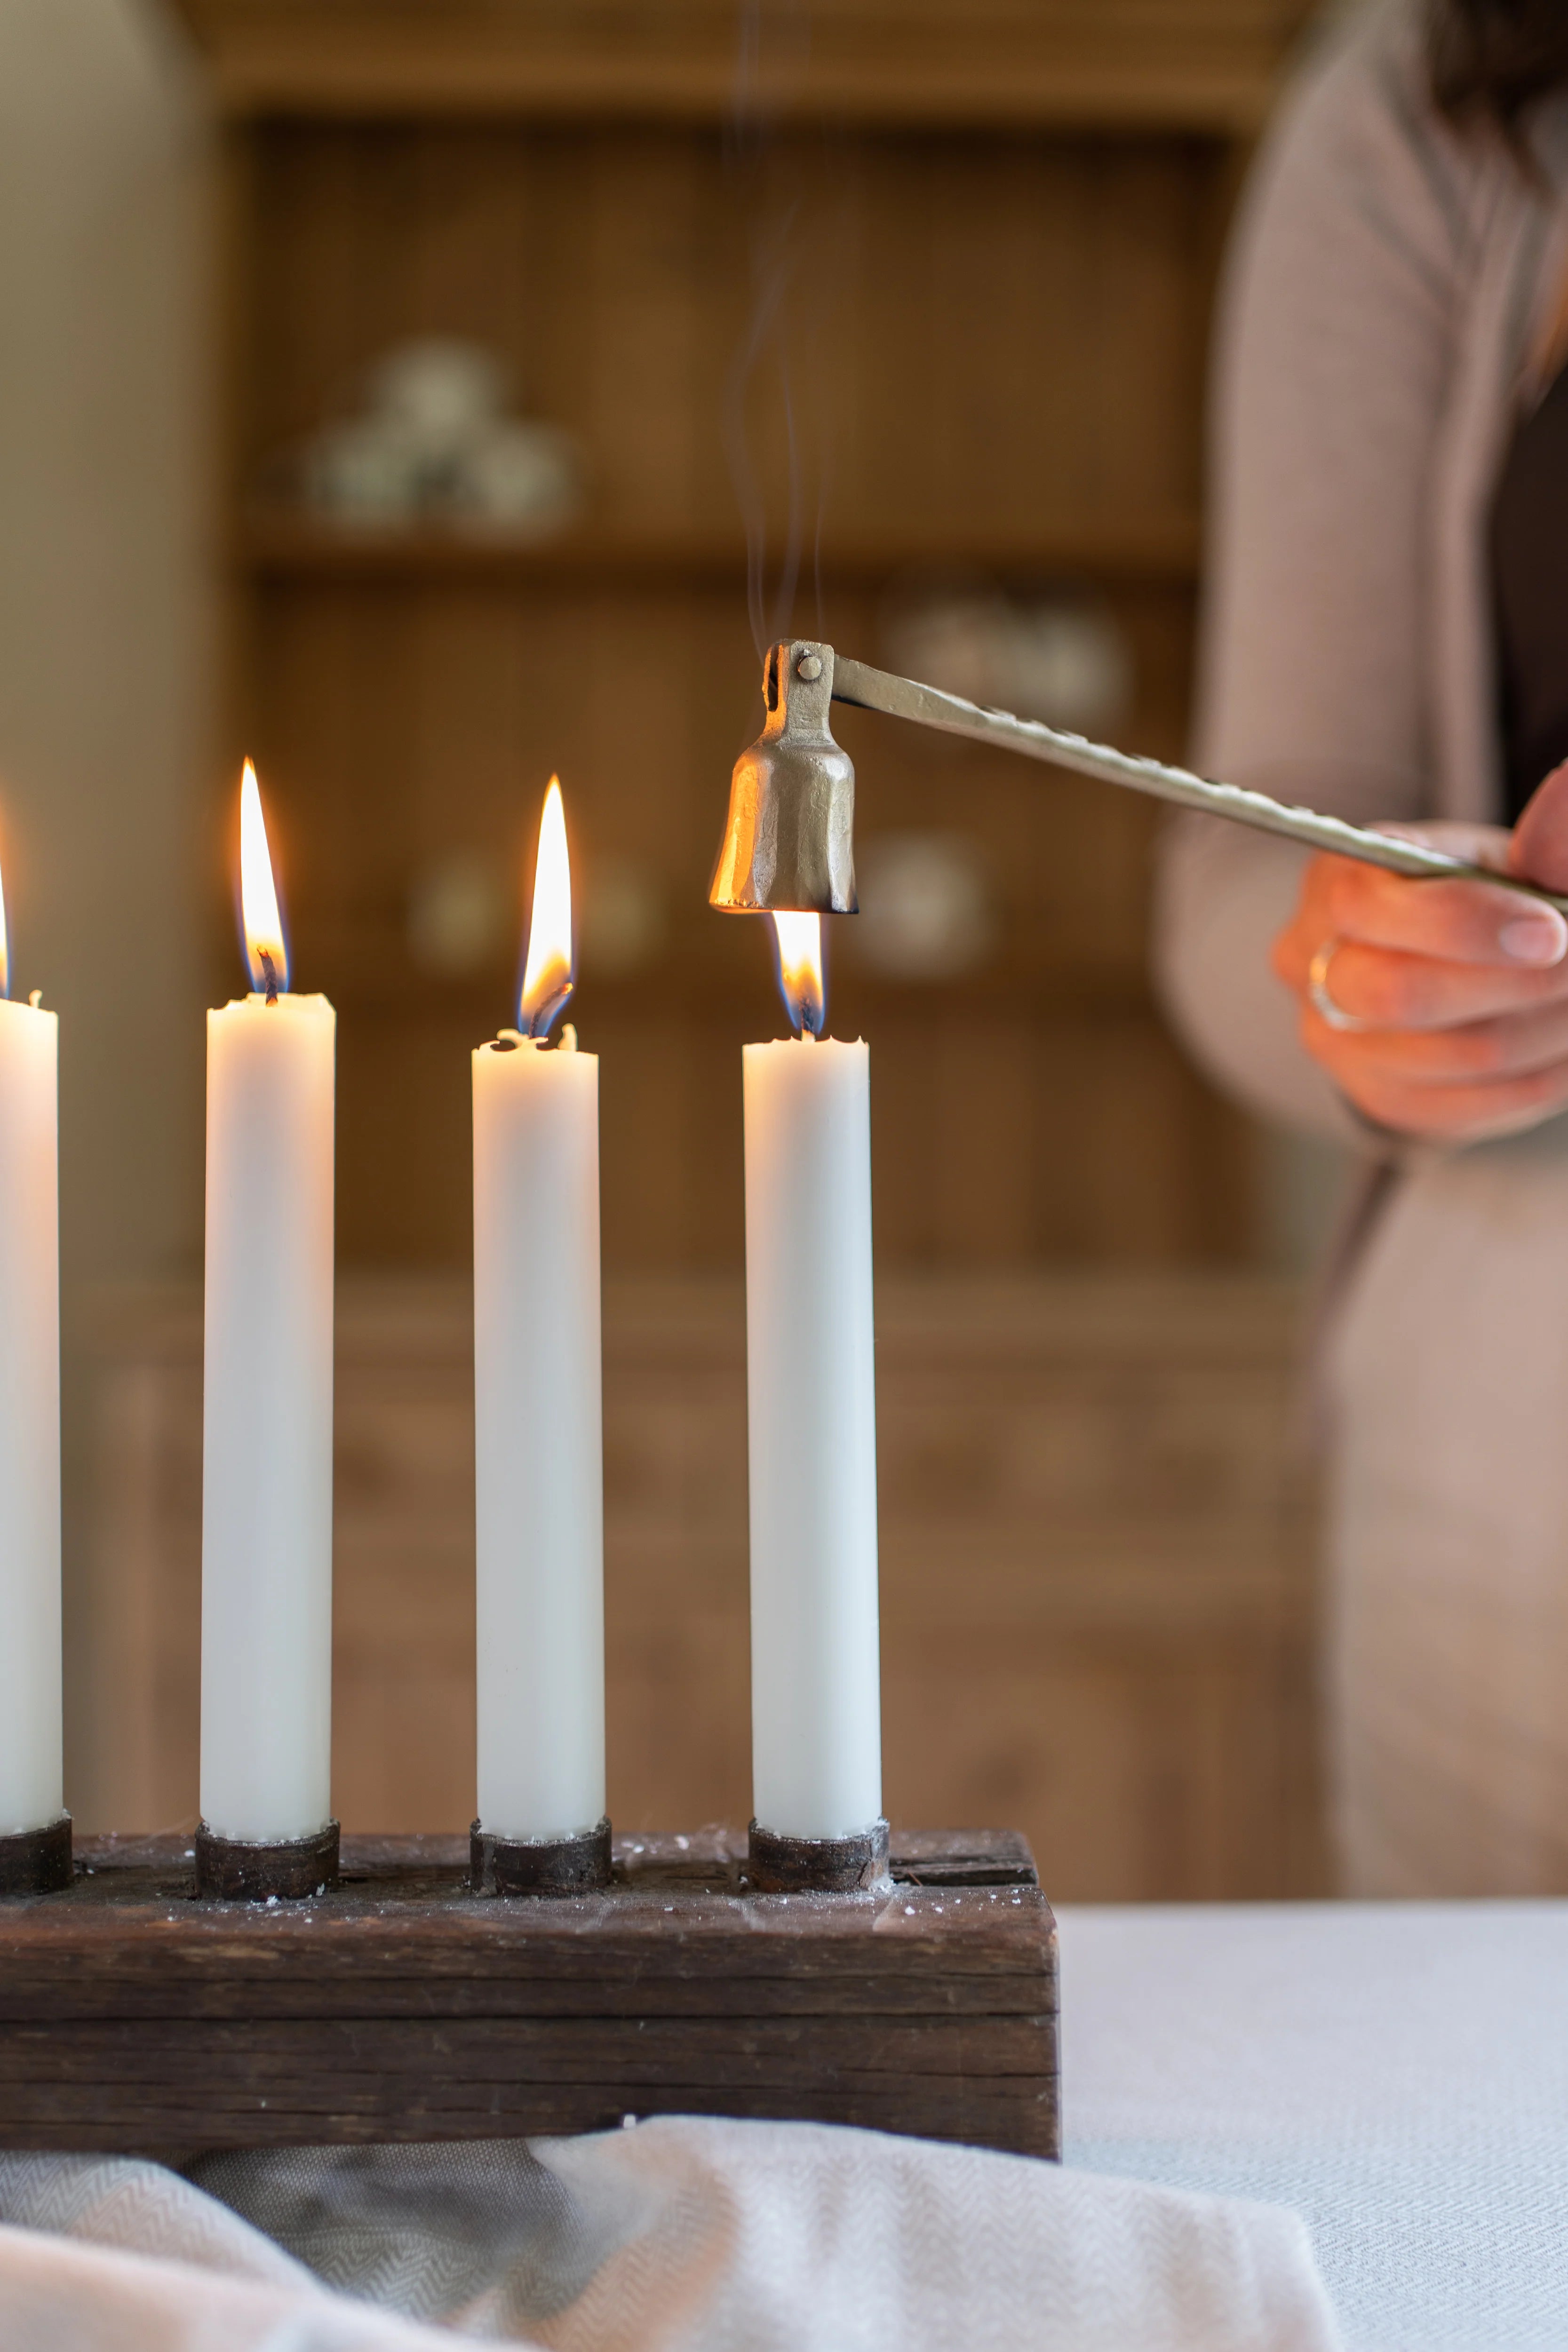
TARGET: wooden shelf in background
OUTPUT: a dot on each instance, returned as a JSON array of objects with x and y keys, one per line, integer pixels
[
  {"x": 287, "y": 547},
  {"x": 997, "y": 366},
  {"x": 1181, "y": 66}
]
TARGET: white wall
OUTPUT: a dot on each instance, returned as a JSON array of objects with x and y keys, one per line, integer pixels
[
  {"x": 105, "y": 639},
  {"x": 103, "y": 627}
]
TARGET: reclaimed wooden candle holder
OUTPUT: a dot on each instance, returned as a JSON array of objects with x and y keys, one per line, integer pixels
[{"x": 402, "y": 2005}]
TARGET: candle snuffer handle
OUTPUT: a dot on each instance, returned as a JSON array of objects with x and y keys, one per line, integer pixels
[{"x": 747, "y": 879}]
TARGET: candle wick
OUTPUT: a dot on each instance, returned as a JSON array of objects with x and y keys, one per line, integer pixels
[{"x": 270, "y": 973}]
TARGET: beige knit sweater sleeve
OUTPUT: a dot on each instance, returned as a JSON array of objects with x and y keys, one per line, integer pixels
[{"x": 1332, "y": 366}]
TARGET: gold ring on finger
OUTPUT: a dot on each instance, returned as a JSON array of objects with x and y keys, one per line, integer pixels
[{"x": 1322, "y": 1003}]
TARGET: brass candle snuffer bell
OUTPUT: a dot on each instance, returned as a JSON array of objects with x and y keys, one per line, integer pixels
[{"x": 789, "y": 843}]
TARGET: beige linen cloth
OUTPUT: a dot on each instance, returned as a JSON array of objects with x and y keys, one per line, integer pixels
[
  {"x": 1387, "y": 299},
  {"x": 675, "y": 2235}
]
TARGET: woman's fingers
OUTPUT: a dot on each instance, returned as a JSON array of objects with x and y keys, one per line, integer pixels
[
  {"x": 1457, "y": 991},
  {"x": 1390, "y": 990},
  {"x": 1483, "y": 923},
  {"x": 1469, "y": 1114},
  {"x": 1458, "y": 1112},
  {"x": 1516, "y": 1045}
]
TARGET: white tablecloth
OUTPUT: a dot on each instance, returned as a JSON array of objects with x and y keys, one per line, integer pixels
[
  {"x": 1396, "y": 2073},
  {"x": 676, "y": 2236}
]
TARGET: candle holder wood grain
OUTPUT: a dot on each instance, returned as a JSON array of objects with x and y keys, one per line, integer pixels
[{"x": 136, "y": 2016}]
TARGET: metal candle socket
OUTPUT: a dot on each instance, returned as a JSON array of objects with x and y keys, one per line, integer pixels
[
  {"x": 292, "y": 1870},
  {"x": 37, "y": 1862},
  {"x": 566, "y": 1865},
  {"x": 776, "y": 1864},
  {"x": 789, "y": 843}
]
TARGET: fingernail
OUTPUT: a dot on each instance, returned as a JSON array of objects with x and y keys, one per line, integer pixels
[{"x": 1534, "y": 938}]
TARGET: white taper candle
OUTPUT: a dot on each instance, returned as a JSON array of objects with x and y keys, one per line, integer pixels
[
  {"x": 816, "y": 1760},
  {"x": 539, "y": 1491},
  {"x": 539, "y": 1451},
  {"x": 31, "y": 1784},
  {"x": 267, "y": 1471}
]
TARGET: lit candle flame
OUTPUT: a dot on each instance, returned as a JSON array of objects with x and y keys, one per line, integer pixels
[
  {"x": 4, "y": 947},
  {"x": 266, "y": 955},
  {"x": 547, "y": 973},
  {"x": 800, "y": 971}
]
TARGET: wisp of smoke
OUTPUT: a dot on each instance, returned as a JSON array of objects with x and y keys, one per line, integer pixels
[{"x": 774, "y": 214}]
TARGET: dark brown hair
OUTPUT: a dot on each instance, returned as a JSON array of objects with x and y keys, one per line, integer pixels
[{"x": 1493, "y": 57}]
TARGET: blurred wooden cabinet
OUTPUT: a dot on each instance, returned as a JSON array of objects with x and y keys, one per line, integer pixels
[
  {"x": 1096, "y": 1579},
  {"x": 921, "y": 290},
  {"x": 974, "y": 246}
]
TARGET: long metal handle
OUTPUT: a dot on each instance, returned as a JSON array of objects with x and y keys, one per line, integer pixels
[{"x": 902, "y": 698}]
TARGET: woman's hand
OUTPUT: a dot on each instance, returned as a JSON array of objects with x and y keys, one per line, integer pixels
[{"x": 1454, "y": 995}]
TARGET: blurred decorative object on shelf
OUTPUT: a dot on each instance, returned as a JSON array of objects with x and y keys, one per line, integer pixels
[
  {"x": 624, "y": 917},
  {"x": 927, "y": 910},
  {"x": 435, "y": 445},
  {"x": 1063, "y": 661},
  {"x": 460, "y": 915}
]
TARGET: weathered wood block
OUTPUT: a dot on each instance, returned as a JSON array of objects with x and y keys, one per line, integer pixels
[{"x": 133, "y": 2017}]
